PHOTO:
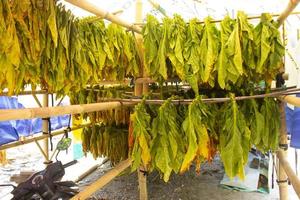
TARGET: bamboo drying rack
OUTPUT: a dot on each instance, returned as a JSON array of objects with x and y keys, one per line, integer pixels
[{"x": 141, "y": 88}]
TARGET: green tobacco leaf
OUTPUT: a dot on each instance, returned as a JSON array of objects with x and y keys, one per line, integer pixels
[
  {"x": 209, "y": 48},
  {"x": 234, "y": 140},
  {"x": 52, "y": 24},
  {"x": 151, "y": 34},
  {"x": 246, "y": 34},
  {"x": 270, "y": 110},
  {"x": 223, "y": 60},
  {"x": 141, "y": 132},
  {"x": 167, "y": 147},
  {"x": 163, "y": 49},
  {"x": 195, "y": 128},
  {"x": 177, "y": 39}
]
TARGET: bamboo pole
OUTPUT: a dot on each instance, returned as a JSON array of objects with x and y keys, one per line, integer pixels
[
  {"x": 158, "y": 7},
  {"x": 85, "y": 5},
  {"x": 293, "y": 178},
  {"x": 90, "y": 170},
  {"x": 24, "y": 93},
  {"x": 220, "y": 20},
  {"x": 140, "y": 89},
  {"x": 295, "y": 101},
  {"x": 37, "y": 100},
  {"x": 209, "y": 100},
  {"x": 45, "y": 130},
  {"x": 102, "y": 181},
  {"x": 42, "y": 151},
  {"x": 37, "y": 138},
  {"x": 29, "y": 113},
  {"x": 289, "y": 9},
  {"x": 281, "y": 175}
]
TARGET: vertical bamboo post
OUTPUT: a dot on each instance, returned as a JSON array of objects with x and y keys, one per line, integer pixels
[
  {"x": 3, "y": 160},
  {"x": 45, "y": 130},
  {"x": 139, "y": 90},
  {"x": 283, "y": 142}
]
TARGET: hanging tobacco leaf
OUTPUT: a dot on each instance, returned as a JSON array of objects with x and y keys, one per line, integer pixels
[
  {"x": 191, "y": 54},
  {"x": 152, "y": 35},
  {"x": 234, "y": 140},
  {"x": 195, "y": 127},
  {"x": 209, "y": 51},
  {"x": 176, "y": 41},
  {"x": 270, "y": 111},
  {"x": 141, "y": 132},
  {"x": 269, "y": 50},
  {"x": 167, "y": 147}
]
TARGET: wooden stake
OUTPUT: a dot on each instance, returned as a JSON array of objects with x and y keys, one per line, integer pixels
[
  {"x": 281, "y": 175},
  {"x": 102, "y": 181},
  {"x": 29, "y": 113},
  {"x": 293, "y": 178},
  {"x": 85, "y": 5}
]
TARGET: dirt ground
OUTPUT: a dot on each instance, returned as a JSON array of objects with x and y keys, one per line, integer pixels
[{"x": 188, "y": 186}]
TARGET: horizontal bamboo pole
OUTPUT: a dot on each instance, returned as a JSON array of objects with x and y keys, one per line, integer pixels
[
  {"x": 220, "y": 20},
  {"x": 85, "y": 5},
  {"x": 29, "y": 113},
  {"x": 25, "y": 93},
  {"x": 37, "y": 138},
  {"x": 102, "y": 181},
  {"x": 295, "y": 181},
  {"x": 208, "y": 100},
  {"x": 295, "y": 101},
  {"x": 289, "y": 9}
]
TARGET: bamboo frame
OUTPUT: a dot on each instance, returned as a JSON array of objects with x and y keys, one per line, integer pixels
[
  {"x": 249, "y": 18},
  {"x": 105, "y": 14},
  {"x": 29, "y": 113},
  {"x": 45, "y": 130},
  {"x": 281, "y": 175},
  {"x": 42, "y": 151},
  {"x": 24, "y": 93},
  {"x": 102, "y": 181},
  {"x": 209, "y": 100},
  {"x": 141, "y": 88},
  {"x": 37, "y": 138},
  {"x": 293, "y": 178},
  {"x": 295, "y": 101},
  {"x": 289, "y": 9},
  {"x": 37, "y": 100},
  {"x": 90, "y": 170}
]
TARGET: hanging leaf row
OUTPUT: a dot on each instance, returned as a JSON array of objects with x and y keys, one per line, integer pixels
[
  {"x": 230, "y": 53},
  {"x": 170, "y": 138},
  {"x": 42, "y": 44}
]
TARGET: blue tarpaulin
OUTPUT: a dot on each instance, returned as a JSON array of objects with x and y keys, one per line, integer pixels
[
  {"x": 11, "y": 130},
  {"x": 293, "y": 125}
]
